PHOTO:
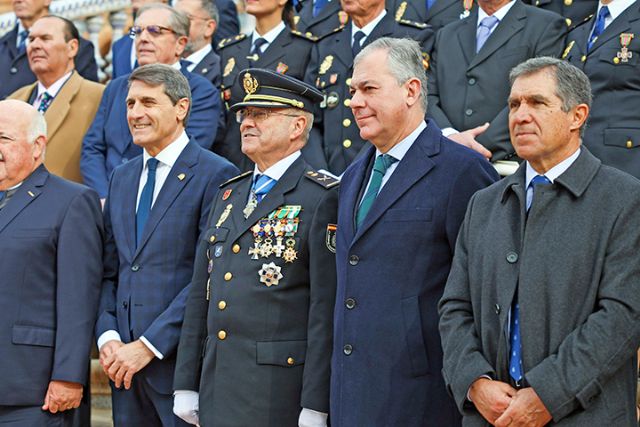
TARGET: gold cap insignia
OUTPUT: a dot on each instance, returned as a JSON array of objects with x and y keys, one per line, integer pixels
[{"x": 249, "y": 83}]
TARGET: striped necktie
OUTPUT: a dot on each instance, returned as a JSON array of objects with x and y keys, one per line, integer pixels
[
  {"x": 45, "y": 102},
  {"x": 262, "y": 184}
]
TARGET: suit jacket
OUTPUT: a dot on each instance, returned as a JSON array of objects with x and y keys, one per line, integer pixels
[
  {"x": 335, "y": 140},
  {"x": 51, "y": 243},
  {"x": 575, "y": 266},
  {"x": 108, "y": 142},
  {"x": 68, "y": 118},
  {"x": 322, "y": 24},
  {"x": 385, "y": 369},
  {"x": 574, "y": 11},
  {"x": 613, "y": 132},
  {"x": 228, "y": 24},
  {"x": 121, "y": 57},
  {"x": 440, "y": 14},
  {"x": 209, "y": 68},
  {"x": 288, "y": 54},
  {"x": 144, "y": 290},
  {"x": 14, "y": 68},
  {"x": 467, "y": 89},
  {"x": 275, "y": 356}
]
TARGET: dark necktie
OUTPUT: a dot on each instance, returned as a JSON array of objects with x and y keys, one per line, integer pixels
[
  {"x": 45, "y": 102},
  {"x": 357, "y": 42},
  {"x": 22, "y": 41},
  {"x": 262, "y": 184},
  {"x": 380, "y": 167},
  {"x": 256, "y": 49},
  {"x": 598, "y": 27},
  {"x": 146, "y": 198},
  {"x": 515, "y": 359},
  {"x": 318, "y": 5},
  {"x": 484, "y": 31}
]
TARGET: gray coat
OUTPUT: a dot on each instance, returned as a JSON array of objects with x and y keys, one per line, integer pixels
[{"x": 576, "y": 267}]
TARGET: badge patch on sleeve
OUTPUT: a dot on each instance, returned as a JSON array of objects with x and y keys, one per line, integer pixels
[{"x": 330, "y": 238}]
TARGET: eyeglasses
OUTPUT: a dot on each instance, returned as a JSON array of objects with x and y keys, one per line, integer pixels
[
  {"x": 153, "y": 30},
  {"x": 259, "y": 115}
]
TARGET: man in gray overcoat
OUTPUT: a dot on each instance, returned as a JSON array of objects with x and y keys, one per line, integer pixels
[{"x": 539, "y": 317}]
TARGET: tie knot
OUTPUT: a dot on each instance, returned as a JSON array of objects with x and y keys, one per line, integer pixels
[
  {"x": 604, "y": 12},
  {"x": 382, "y": 163},
  {"x": 489, "y": 22},
  {"x": 357, "y": 37},
  {"x": 540, "y": 179},
  {"x": 46, "y": 97},
  {"x": 24, "y": 34},
  {"x": 257, "y": 45},
  {"x": 263, "y": 184},
  {"x": 152, "y": 164}
]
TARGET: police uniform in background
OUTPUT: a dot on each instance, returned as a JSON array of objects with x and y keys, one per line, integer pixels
[
  {"x": 612, "y": 65},
  {"x": 287, "y": 54},
  {"x": 256, "y": 339},
  {"x": 323, "y": 23},
  {"x": 574, "y": 11},
  {"x": 335, "y": 132},
  {"x": 436, "y": 13}
]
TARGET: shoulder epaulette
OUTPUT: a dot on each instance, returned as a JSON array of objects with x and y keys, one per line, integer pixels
[
  {"x": 584, "y": 21},
  {"x": 307, "y": 36},
  {"x": 416, "y": 24},
  {"x": 327, "y": 181},
  {"x": 236, "y": 178},
  {"x": 231, "y": 40},
  {"x": 335, "y": 30}
]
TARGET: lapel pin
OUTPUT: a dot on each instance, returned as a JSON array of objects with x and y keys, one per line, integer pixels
[
  {"x": 181, "y": 176},
  {"x": 31, "y": 194},
  {"x": 227, "y": 193}
]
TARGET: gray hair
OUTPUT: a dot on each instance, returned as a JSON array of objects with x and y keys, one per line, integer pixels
[
  {"x": 175, "y": 84},
  {"x": 210, "y": 8},
  {"x": 37, "y": 127},
  {"x": 404, "y": 60},
  {"x": 178, "y": 21}
]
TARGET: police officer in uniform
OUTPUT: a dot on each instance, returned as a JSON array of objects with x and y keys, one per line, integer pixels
[
  {"x": 607, "y": 48},
  {"x": 436, "y": 13},
  {"x": 317, "y": 17},
  {"x": 272, "y": 45},
  {"x": 574, "y": 11},
  {"x": 255, "y": 348},
  {"x": 335, "y": 141}
]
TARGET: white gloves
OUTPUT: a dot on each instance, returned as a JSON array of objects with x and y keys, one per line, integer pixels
[{"x": 185, "y": 406}]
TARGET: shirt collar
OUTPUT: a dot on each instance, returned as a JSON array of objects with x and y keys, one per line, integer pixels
[
  {"x": 270, "y": 36},
  {"x": 55, "y": 87},
  {"x": 277, "y": 170},
  {"x": 616, "y": 7},
  {"x": 367, "y": 29},
  {"x": 171, "y": 152},
  {"x": 177, "y": 65},
  {"x": 196, "y": 57},
  {"x": 554, "y": 172},
  {"x": 399, "y": 150},
  {"x": 500, "y": 13}
]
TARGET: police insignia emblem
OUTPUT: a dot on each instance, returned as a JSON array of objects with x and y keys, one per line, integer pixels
[
  {"x": 249, "y": 83},
  {"x": 330, "y": 237},
  {"x": 326, "y": 64}
]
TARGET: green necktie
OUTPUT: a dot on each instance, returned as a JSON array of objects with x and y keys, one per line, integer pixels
[{"x": 380, "y": 166}]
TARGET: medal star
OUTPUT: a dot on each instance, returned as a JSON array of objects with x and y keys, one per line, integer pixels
[{"x": 270, "y": 274}]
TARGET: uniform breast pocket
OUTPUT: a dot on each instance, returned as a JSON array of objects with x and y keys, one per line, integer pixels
[
  {"x": 409, "y": 215},
  {"x": 281, "y": 353},
  {"x": 216, "y": 235},
  {"x": 622, "y": 137},
  {"x": 31, "y": 335}
]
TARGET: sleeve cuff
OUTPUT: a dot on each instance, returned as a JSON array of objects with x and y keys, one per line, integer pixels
[
  {"x": 152, "y": 348},
  {"x": 110, "y": 335},
  {"x": 449, "y": 131},
  {"x": 468, "y": 391}
]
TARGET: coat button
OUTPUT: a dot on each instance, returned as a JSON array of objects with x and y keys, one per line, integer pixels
[
  {"x": 235, "y": 248},
  {"x": 13, "y": 70},
  {"x": 350, "y": 303},
  {"x": 568, "y": 2},
  {"x": 347, "y": 102},
  {"x": 290, "y": 361},
  {"x": 512, "y": 257},
  {"x": 222, "y": 335},
  {"x": 584, "y": 58},
  {"x": 228, "y": 276},
  {"x": 135, "y": 267},
  {"x": 346, "y": 143},
  {"x": 222, "y": 305},
  {"x": 348, "y": 81},
  {"x": 471, "y": 81},
  {"x": 347, "y": 349},
  {"x": 354, "y": 259},
  {"x": 616, "y": 60},
  {"x": 468, "y": 112},
  {"x": 346, "y": 123},
  {"x": 629, "y": 144},
  {"x": 497, "y": 307},
  {"x": 212, "y": 239},
  {"x": 568, "y": 22}
]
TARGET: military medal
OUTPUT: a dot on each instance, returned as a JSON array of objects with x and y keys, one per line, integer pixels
[
  {"x": 224, "y": 215},
  {"x": 290, "y": 253},
  {"x": 624, "y": 55},
  {"x": 270, "y": 274},
  {"x": 282, "y": 68},
  {"x": 278, "y": 248},
  {"x": 332, "y": 100},
  {"x": 326, "y": 64},
  {"x": 467, "y": 4},
  {"x": 343, "y": 18},
  {"x": 267, "y": 248}
]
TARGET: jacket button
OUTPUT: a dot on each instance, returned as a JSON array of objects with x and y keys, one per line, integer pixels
[
  {"x": 350, "y": 303},
  {"x": 347, "y": 349},
  {"x": 125, "y": 304},
  {"x": 222, "y": 335},
  {"x": 497, "y": 307},
  {"x": 222, "y": 305},
  {"x": 235, "y": 248},
  {"x": 346, "y": 143},
  {"x": 468, "y": 112},
  {"x": 135, "y": 267},
  {"x": 353, "y": 260},
  {"x": 212, "y": 239},
  {"x": 512, "y": 257},
  {"x": 471, "y": 81},
  {"x": 290, "y": 361},
  {"x": 347, "y": 102},
  {"x": 346, "y": 123},
  {"x": 348, "y": 81},
  {"x": 13, "y": 70},
  {"x": 228, "y": 276}
]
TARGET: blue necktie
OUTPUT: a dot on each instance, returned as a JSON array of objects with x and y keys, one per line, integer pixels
[
  {"x": 22, "y": 41},
  {"x": 515, "y": 359},
  {"x": 484, "y": 31},
  {"x": 598, "y": 28},
  {"x": 146, "y": 199},
  {"x": 429, "y": 4},
  {"x": 357, "y": 42},
  {"x": 380, "y": 167},
  {"x": 318, "y": 5},
  {"x": 261, "y": 186}
]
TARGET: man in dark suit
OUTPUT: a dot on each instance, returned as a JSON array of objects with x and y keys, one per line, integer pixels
[
  {"x": 470, "y": 64},
  {"x": 14, "y": 66},
  {"x": 436, "y": 13},
  {"x": 198, "y": 53},
  {"x": 539, "y": 316},
  {"x": 108, "y": 142},
  {"x": 51, "y": 245},
  {"x": 157, "y": 207},
  {"x": 608, "y": 54},
  {"x": 335, "y": 141},
  {"x": 406, "y": 196},
  {"x": 256, "y": 341}
]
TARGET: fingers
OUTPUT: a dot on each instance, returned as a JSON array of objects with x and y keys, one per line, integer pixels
[
  {"x": 128, "y": 377},
  {"x": 480, "y": 149},
  {"x": 45, "y": 407},
  {"x": 479, "y": 129}
]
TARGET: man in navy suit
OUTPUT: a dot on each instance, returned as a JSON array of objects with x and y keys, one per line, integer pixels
[
  {"x": 14, "y": 66},
  {"x": 157, "y": 207},
  {"x": 108, "y": 143},
  {"x": 51, "y": 263},
  {"x": 406, "y": 197}
]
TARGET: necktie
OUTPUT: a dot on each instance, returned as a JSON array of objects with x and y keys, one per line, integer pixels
[
  {"x": 146, "y": 198},
  {"x": 318, "y": 5},
  {"x": 429, "y": 4},
  {"x": 515, "y": 360},
  {"x": 22, "y": 41},
  {"x": 598, "y": 28},
  {"x": 256, "y": 49},
  {"x": 357, "y": 42},
  {"x": 261, "y": 186},
  {"x": 45, "y": 102},
  {"x": 484, "y": 31},
  {"x": 380, "y": 166},
  {"x": 1, "y": 199}
]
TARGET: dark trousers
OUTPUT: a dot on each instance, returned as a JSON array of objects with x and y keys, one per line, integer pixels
[
  {"x": 33, "y": 416},
  {"x": 141, "y": 405}
]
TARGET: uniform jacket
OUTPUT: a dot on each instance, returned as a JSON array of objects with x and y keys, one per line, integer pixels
[
  {"x": 145, "y": 287},
  {"x": 121, "y": 54},
  {"x": 274, "y": 356},
  {"x": 50, "y": 268},
  {"x": 468, "y": 89},
  {"x": 574, "y": 11},
  {"x": 322, "y": 24},
  {"x": 288, "y": 54},
  {"x": 14, "y": 68},
  {"x": 440, "y": 14},
  {"x": 335, "y": 141},
  {"x": 575, "y": 265},
  {"x": 613, "y": 130},
  {"x": 391, "y": 273},
  {"x": 228, "y": 25},
  {"x": 108, "y": 142},
  {"x": 68, "y": 118}
]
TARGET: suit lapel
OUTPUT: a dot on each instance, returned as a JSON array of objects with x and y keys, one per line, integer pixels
[
  {"x": 513, "y": 22},
  {"x": 342, "y": 47},
  {"x": 131, "y": 182},
  {"x": 12, "y": 42},
  {"x": 275, "y": 51},
  {"x": 467, "y": 37},
  {"x": 26, "y": 193},
  {"x": 383, "y": 29},
  {"x": 61, "y": 104},
  {"x": 620, "y": 25},
  {"x": 351, "y": 191}
]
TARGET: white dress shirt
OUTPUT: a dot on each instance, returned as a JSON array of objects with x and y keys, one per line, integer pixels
[
  {"x": 51, "y": 90},
  {"x": 270, "y": 36},
  {"x": 196, "y": 57},
  {"x": 367, "y": 29}
]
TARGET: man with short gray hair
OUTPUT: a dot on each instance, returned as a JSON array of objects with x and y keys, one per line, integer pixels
[
  {"x": 539, "y": 318},
  {"x": 407, "y": 194}
]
